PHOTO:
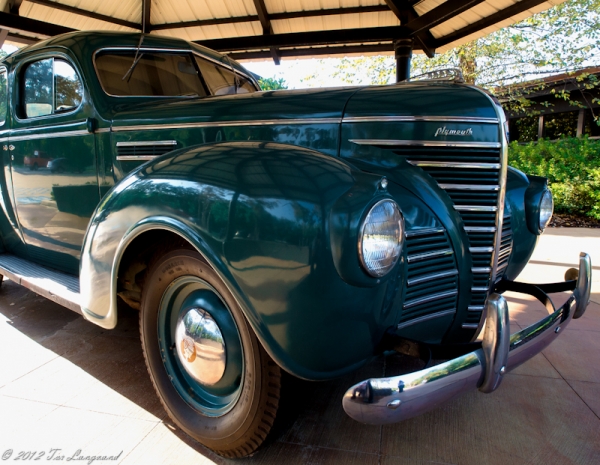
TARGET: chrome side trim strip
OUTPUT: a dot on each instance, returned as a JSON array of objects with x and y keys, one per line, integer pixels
[
  {"x": 427, "y": 255},
  {"x": 427, "y": 143},
  {"x": 480, "y": 229},
  {"x": 424, "y": 232},
  {"x": 425, "y": 318},
  {"x": 479, "y": 289},
  {"x": 431, "y": 277},
  {"x": 476, "y": 308},
  {"x": 471, "y": 187},
  {"x": 413, "y": 119},
  {"x": 102, "y": 130},
  {"x": 483, "y": 269},
  {"x": 470, "y": 326},
  {"x": 136, "y": 157},
  {"x": 475, "y": 208},
  {"x": 481, "y": 249},
  {"x": 445, "y": 164},
  {"x": 146, "y": 143},
  {"x": 430, "y": 298},
  {"x": 51, "y": 135},
  {"x": 212, "y": 124}
]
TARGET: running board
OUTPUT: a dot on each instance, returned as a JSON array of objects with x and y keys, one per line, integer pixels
[{"x": 55, "y": 285}]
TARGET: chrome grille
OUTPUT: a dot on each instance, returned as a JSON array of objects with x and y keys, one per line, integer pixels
[
  {"x": 471, "y": 177},
  {"x": 142, "y": 150},
  {"x": 430, "y": 260},
  {"x": 505, "y": 246}
]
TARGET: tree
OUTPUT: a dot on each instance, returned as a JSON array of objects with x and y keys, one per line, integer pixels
[
  {"x": 272, "y": 83},
  {"x": 561, "y": 39}
]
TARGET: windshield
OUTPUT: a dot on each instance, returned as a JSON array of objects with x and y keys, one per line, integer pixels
[
  {"x": 166, "y": 74},
  {"x": 155, "y": 74}
]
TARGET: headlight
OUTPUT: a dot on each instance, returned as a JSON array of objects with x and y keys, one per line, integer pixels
[
  {"x": 380, "y": 238},
  {"x": 546, "y": 209}
]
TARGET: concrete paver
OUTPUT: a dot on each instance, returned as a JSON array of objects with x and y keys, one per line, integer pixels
[{"x": 67, "y": 384}]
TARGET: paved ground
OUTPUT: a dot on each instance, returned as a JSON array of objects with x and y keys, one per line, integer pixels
[{"x": 67, "y": 385}]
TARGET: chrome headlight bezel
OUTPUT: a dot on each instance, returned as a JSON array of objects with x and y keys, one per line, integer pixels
[{"x": 393, "y": 254}]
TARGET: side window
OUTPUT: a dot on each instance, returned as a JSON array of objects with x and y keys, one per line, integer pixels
[
  {"x": 221, "y": 81},
  {"x": 67, "y": 87},
  {"x": 3, "y": 95},
  {"x": 50, "y": 86}
]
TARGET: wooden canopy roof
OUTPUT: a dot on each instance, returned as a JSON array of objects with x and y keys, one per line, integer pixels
[{"x": 255, "y": 29}]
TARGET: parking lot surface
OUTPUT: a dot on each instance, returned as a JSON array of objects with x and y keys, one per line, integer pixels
[{"x": 71, "y": 390}]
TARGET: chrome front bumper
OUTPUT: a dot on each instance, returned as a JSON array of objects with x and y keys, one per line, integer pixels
[{"x": 389, "y": 400}]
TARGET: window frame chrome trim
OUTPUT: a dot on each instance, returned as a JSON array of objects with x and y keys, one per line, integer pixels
[
  {"x": 44, "y": 56},
  {"x": 3, "y": 123}
]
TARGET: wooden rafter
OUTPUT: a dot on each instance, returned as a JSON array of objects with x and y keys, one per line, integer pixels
[{"x": 263, "y": 16}]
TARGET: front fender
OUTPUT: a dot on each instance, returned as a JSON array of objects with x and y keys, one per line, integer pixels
[{"x": 259, "y": 214}]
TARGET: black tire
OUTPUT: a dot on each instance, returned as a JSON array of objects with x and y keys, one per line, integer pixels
[{"x": 242, "y": 424}]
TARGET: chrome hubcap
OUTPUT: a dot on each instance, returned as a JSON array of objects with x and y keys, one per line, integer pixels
[{"x": 200, "y": 346}]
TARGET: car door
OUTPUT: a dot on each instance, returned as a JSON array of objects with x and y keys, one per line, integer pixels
[{"x": 53, "y": 160}]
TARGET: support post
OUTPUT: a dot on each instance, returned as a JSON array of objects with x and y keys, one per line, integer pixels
[
  {"x": 3, "y": 36},
  {"x": 580, "y": 122},
  {"x": 540, "y": 127},
  {"x": 403, "y": 50}
]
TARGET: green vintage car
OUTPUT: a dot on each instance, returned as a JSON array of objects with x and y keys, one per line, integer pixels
[{"x": 307, "y": 231}]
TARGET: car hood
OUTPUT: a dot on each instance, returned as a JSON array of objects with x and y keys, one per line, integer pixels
[{"x": 259, "y": 106}]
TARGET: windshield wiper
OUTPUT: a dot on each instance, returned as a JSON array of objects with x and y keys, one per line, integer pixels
[{"x": 136, "y": 59}]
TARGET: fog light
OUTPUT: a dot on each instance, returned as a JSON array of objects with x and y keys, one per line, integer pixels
[{"x": 380, "y": 239}]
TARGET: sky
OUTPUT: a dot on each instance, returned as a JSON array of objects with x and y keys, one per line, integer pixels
[{"x": 296, "y": 73}]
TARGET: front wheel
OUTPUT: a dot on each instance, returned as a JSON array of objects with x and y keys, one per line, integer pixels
[{"x": 211, "y": 374}]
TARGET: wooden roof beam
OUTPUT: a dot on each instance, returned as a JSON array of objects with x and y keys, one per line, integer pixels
[
  {"x": 405, "y": 12},
  {"x": 273, "y": 17},
  {"x": 13, "y": 6},
  {"x": 263, "y": 16},
  {"x": 146, "y": 10},
  {"x": 488, "y": 21},
  {"x": 307, "y": 39},
  {"x": 441, "y": 14},
  {"x": 89, "y": 14},
  {"x": 22, "y": 25}
]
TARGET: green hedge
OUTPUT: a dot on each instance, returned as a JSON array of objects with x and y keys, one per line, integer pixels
[{"x": 572, "y": 166}]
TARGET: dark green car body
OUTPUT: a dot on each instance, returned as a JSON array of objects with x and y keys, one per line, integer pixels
[{"x": 271, "y": 188}]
